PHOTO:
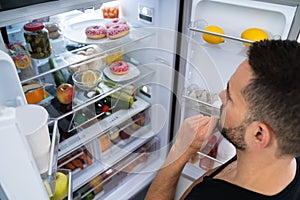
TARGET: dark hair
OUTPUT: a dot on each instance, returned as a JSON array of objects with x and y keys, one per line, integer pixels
[{"x": 274, "y": 92}]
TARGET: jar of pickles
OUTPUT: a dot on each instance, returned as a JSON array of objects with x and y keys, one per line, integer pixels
[{"x": 37, "y": 40}]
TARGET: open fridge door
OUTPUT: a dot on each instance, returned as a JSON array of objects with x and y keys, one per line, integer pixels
[{"x": 209, "y": 63}]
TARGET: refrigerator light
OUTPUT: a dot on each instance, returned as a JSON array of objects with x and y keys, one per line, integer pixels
[{"x": 145, "y": 14}]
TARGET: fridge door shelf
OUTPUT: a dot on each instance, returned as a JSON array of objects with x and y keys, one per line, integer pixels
[
  {"x": 221, "y": 35},
  {"x": 112, "y": 158},
  {"x": 112, "y": 177},
  {"x": 49, "y": 178},
  {"x": 92, "y": 132},
  {"x": 201, "y": 106}
]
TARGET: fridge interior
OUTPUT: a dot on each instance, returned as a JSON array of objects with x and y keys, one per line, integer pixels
[{"x": 126, "y": 144}]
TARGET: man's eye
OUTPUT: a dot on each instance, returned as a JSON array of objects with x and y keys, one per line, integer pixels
[{"x": 227, "y": 97}]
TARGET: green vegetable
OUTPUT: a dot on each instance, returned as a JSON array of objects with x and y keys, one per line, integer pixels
[
  {"x": 89, "y": 197},
  {"x": 116, "y": 102},
  {"x": 58, "y": 76},
  {"x": 123, "y": 96},
  {"x": 109, "y": 82}
]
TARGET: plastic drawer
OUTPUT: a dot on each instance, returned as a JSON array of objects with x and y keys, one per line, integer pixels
[{"x": 107, "y": 181}]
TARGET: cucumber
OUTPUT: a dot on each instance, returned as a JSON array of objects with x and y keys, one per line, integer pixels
[
  {"x": 109, "y": 82},
  {"x": 123, "y": 96},
  {"x": 119, "y": 104},
  {"x": 58, "y": 76}
]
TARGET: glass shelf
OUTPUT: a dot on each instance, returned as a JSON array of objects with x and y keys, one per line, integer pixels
[
  {"x": 92, "y": 132},
  {"x": 71, "y": 59},
  {"x": 66, "y": 118},
  {"x": 36, "y": 11}
]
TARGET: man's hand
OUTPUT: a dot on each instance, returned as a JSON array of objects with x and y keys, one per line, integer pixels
[{"x": 193, "y": 135}]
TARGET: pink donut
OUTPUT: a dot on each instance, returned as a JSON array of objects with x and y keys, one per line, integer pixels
[
  {"x": 114, "y": 22},
  {"x": 117, "y": 31},
  {"x": 119, "y": 67},
  {"x": 95, "y": 32}
]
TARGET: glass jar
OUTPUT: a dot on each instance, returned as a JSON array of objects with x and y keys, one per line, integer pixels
[{"x": 37, "y": 40}]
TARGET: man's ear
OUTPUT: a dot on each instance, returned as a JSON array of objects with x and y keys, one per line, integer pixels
[{"x": 263, "y": 135}]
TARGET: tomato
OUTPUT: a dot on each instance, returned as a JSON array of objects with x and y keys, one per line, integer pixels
[{"x": 105, "y": 108}]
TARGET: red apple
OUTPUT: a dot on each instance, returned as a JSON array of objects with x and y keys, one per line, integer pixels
[{"x": 65, "y": 93}]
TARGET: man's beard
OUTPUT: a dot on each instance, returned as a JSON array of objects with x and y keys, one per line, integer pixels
[{"x": 235, "y": 135}]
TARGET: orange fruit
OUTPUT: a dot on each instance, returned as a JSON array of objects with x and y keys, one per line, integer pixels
[{"x": 36, "y": 95}]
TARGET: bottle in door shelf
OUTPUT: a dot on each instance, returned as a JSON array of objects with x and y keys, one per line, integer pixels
[
  {"x": 207, "y": 163},
  {"x": 211, "y": 150}
]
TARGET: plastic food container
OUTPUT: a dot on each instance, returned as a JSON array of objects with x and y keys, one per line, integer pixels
[
  {"x": 110, "y": 9},
  {"x": 19, "y": 55},
  {"x": 87, "y": 79},
  {"x": 37, "y": 40},
  {"x": 78, "y": 160},
  {"x": 111, "y": 178}
]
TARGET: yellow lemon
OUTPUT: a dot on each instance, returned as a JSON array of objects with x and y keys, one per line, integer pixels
[
  {"x": 212, "y": 39},
  {"x": 89, "y": 78},
  {"x": 254, "y": 34}
]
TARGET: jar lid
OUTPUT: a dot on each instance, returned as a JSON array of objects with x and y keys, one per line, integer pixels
[{"x": 33, "y": 26}]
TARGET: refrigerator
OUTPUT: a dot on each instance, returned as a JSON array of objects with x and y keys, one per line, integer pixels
[{"x": 116, "y": 154}]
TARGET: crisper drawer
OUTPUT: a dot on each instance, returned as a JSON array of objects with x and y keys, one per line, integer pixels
[
  {"x": 78, "y": 160},
  {"x": 113, "y": 144},
  {"x": 109, "y": 180}
]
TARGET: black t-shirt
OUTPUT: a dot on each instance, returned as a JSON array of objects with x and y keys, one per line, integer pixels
[{"x": 216, "y": 189}]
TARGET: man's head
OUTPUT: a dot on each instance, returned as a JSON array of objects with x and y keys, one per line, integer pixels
[{"x": 264, "y": 96}]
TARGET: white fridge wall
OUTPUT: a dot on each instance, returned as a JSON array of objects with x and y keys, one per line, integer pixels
[
  {"x": 158, "y": 53},
  {"x": 238, "y": 15},
  {"x": 235, "y": 16},
  {"x": 165, "y": 12}
]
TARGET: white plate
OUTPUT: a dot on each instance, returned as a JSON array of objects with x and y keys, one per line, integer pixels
[
  {"x": 132, "y": 73},
  {"x": 75, "y": 30}
]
